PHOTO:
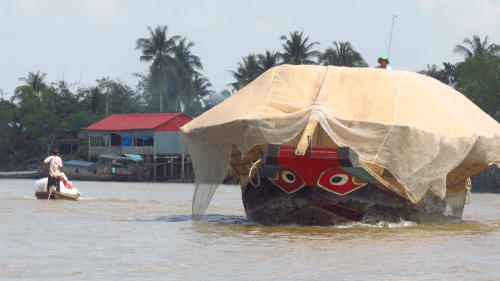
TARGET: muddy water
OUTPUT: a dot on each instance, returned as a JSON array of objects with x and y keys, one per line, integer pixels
[{"x": 144, "y": 231}]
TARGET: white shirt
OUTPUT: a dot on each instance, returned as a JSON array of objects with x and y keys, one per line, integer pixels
[{"x": 55, "y": 163}]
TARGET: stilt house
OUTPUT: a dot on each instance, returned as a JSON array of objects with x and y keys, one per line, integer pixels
[{"x": 156, "y": 137}]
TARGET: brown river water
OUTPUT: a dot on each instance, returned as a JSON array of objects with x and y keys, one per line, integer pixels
[{"x": 144, "y": 231}]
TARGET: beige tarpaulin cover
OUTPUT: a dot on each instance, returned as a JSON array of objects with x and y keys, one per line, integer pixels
[{"x": 412, "y": 125}]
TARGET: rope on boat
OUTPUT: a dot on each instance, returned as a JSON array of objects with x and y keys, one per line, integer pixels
[{"x": 255, "y": 164}]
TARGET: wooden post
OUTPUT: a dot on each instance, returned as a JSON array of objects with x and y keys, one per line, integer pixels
[
  {"x": 172, "y": 167},
  {"x": 154, "y": 167},
  {"x": 165, "y": 169},
  {"x": 148, "y": 176},
  {"x": 147, "y": 167},
  {"x": 88, "y": 157},
  {"x": 306, "y": 138},
  {"x": 182, "y": 162}
]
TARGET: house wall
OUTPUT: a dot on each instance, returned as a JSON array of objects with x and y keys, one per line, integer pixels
[
  {"x": 168, "y": 142},
  {"x": 165, "y": 143}
]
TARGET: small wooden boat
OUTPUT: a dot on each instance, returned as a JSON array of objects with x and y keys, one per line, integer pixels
[
  {"x": 66, "y": 190},
  {"x": 56, "y": 195},
  {"x": 329, "y": 145}
]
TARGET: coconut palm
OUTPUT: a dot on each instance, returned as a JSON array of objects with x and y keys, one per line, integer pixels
[
  {"x": 186, "y": 66},
  {"x": 247, "y": 71},
  {"x": 298, "y": 50},
  {"x": 33, "y": 85},
  {"x": 476, "y": 46},
  {"x": 159, "y": 49},
  {"x": 447, "y": 75},
  {"x": 343, "y": 54},
  {"x": 201, "y": 92},
  {"x": 268, "y": 60},
  {"x": 35, "y": 81}
]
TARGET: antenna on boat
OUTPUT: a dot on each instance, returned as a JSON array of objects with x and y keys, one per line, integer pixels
[{"x": 394, "y": 16}]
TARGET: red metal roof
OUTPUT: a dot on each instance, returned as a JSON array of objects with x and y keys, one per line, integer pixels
[{"x": 124, "y": 122}]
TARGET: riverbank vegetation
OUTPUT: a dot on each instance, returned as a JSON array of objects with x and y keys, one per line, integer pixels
[{"x": 40, "y": 114}]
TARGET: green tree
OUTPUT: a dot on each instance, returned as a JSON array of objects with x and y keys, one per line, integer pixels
[
  {"x": 478, "y": 77},
  {"x": 268, "y": 60},
  {"x": 121, "y": 97},
  {"x": 58, "y": 99},
  {"x": 198, "y": 103},
  {"x": 159, "y": 49},
  {"x": 447, "y": 75},
  {"x": 298, "y": 50},
  {"x": 476, "y": 46},
  {"x": 34, "y": 81},
  {"x": 31, "y": 127},
  {"x": 247, "y": 71},
  {"x": 91, "y": 99},
  {"x": 186, "y": 66},
  {"x": 342, "y": 54},
  {"x": 7, "y": 109}
]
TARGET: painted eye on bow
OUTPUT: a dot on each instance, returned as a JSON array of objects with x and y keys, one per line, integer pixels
[
  {"x": 338, "y": 181},
  {"x": 288, "y": 176},
  {"x": 288, "y": 180}
]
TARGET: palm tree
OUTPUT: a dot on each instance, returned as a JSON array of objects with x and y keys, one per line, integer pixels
[
  {"x": 201, "y": 92},
  {"x": 33, "y": 85},
  {"x": 268, "y": 60},
  {"x": 159, "y": 49},
  {"x": 247, "y": 71},
  {"x": 298, "y": 50},
  {"x": 476, "y": 47},
  {"x": 35, "y": 81},
  {"x": 447, "y": 75},
  {"x": 186, "y": 66},
  {"x": 343, "y": 54}
]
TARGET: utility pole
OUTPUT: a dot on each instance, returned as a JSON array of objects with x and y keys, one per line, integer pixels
[
  {"x": 390, "y": 37},
  {"x": 107, "y": 101},
  {"x": 161, "y": 102}
]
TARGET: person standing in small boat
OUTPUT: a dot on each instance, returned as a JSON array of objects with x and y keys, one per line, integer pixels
[
  {"x": 54, "y": 163},
  {"x": 383, "y": 63}
]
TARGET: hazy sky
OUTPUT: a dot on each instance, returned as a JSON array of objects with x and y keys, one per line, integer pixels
[{"x": 81, "y": 41}]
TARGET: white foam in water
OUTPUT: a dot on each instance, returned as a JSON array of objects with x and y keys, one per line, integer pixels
[
  {"x": 402, "y": 223},
  {"x": 381, "y": 224}
]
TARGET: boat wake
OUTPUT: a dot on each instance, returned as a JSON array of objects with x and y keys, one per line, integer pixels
[
  {"x": 86, "y": 198},
  {"x": 212, "y": 218},
  {"x": 381, "y": 224},
  {"x": 243, "y": 221}
]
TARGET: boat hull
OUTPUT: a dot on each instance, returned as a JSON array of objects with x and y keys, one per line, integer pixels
[
  {"x": 312, "y": 205},
  {"x": 56, "y": 195}
]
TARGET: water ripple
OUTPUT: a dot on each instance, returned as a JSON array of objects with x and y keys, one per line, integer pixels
[{"x": 211, "y": 218}]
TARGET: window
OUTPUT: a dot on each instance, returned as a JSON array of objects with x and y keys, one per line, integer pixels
[
  {"x": 116, "y": 140},
  {"x": 143, "y": 141},
  {"x": 96, "y": 141}
]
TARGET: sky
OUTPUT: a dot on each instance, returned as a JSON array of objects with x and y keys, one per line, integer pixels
[{"x": 81, "y": 41}]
